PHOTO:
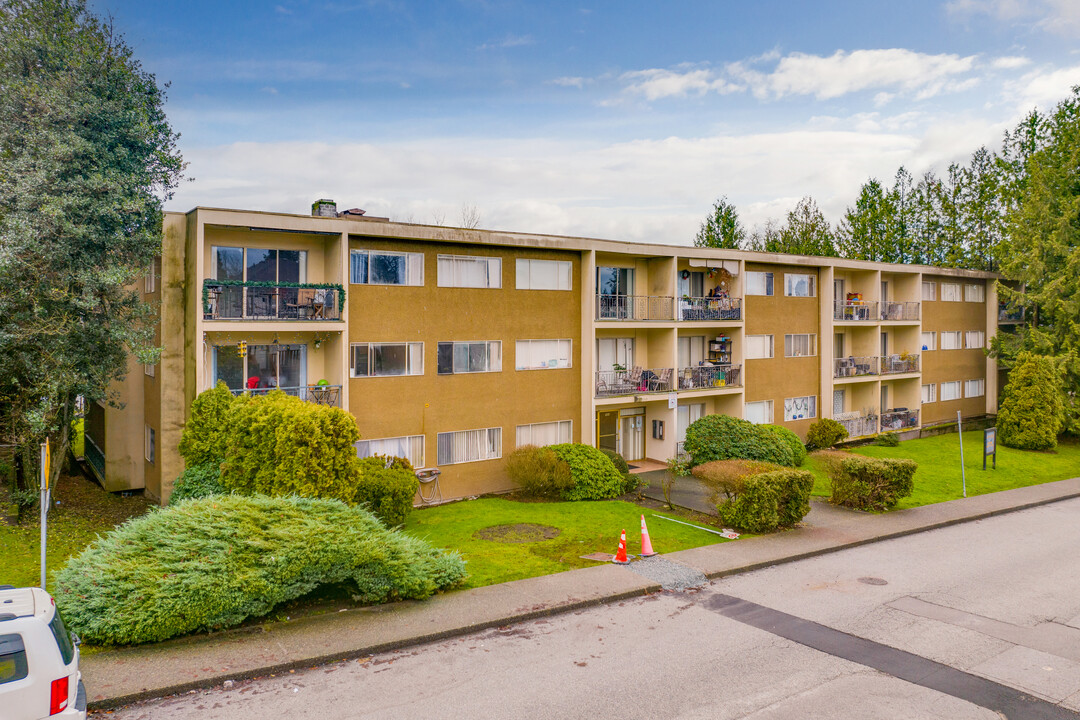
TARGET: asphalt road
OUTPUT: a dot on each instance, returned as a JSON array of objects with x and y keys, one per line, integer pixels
[{"x": 980, "y": 620}]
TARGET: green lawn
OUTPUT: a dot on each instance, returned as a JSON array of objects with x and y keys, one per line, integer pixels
[
  {"x": 938, "y": 477},
  {"x": 586, "y": 527}
]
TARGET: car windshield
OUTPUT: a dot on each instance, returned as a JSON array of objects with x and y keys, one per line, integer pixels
[{"x": 63, "y": 638}]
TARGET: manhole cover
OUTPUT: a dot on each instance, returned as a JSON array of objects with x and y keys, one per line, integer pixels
[
  {"x": 873, "y": 581},
  {"x": 520, "y": 533}
]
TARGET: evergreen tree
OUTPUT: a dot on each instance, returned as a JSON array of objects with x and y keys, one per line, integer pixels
[
  {"x": 865, "y": 233},
  {"x": 722, "y": 229},
  {"x": 806, "y": 232}
]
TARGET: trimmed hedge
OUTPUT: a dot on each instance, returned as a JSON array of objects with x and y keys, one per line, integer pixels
[
  {"x": 767, "y": 501},
  {"x": 206, "y": 433},
  {"x": 722, "y": 437},
  {"x": 538, "y": 471},
  {"x": 824, "y": 433},
  {"x": 197, "y": 482},
  {"x": 214, "y": 562},
  {"x": 1032, "y": 410},
  {"x": 798, "y": 450},
  {"x": 871, "y": 483},
  {"x": 594, "y": 475},
  {"x": 728, "y": 476},
  {"x": 387, "y": 487}
]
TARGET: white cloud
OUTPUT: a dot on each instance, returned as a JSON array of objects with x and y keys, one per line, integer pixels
[
  {"x": 1010, "y": 63},
  {"x": 656, "y": 83},
  {"x": 510, "y": 41},
  {"x": 576, "y": 82},
  {"x": 1044, "y": 87},
  {"x": 1061, "y": 17}
]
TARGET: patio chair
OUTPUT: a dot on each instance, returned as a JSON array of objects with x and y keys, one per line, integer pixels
[
  {"x": 661, "y": 382},
  {"x": 634, "y": 378}
]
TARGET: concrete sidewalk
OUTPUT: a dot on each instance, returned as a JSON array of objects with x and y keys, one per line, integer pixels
[{"x": 118, "y": 677}]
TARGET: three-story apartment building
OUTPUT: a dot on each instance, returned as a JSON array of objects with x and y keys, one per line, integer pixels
[{"x": 453, "y": 346}]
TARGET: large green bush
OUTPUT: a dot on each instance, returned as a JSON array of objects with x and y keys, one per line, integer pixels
[
  {"x": 206, "y": 433},
  {"x": 765, "y": 501},
  {"x": 824, "y": 433},
  {"x": 798, "y": 450},
  {"x": 539, "y": 471},
  {"x": 721, "y": 437},
  {"x": 871, "y": 483},
  {"x": 197, "y": 482},
  {"x": 387, "y": 487},
  {"x": 215, "y": 562},
  {"x": 1032, "y": 410},
  {"x": 594, "y": 475},
  {"x": 281, "y": 445}
]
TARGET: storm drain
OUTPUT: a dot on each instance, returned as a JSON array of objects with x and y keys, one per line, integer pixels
[{"x": 670, "y": 575}]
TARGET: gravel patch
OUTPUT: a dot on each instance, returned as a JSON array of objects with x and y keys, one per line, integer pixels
[{"x": 671, "y": 575}]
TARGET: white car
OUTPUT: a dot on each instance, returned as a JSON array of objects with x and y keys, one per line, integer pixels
[{"x": 39, "y": 659}]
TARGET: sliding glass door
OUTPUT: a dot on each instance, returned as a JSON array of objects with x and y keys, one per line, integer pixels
[{"x": 266, "y": 367}]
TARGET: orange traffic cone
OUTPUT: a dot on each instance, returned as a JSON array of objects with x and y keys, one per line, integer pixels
[
  {"x": 620, "y": 557},
  {"x": 646, "y": 543}
]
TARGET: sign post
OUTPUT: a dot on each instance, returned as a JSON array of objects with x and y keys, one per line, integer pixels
[
  {"x": 45, "y": 460},
  {"x": 990, "y": 446},
  {"x": 960, "y": 432}
]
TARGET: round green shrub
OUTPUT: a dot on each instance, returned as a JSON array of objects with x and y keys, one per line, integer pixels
[
  {"x": 538, "y": 471},
  {"x": 798, "y": 450},
  {"x": 871, "y": 483},
  {"x": 824, "y": 433},
  {"x": 753, "y": 509},
  {"x": 387, "y": 487},
  {"x": 1032, "y": 410},
  {"x": 214, "y": 562},
  {"x": 197, "y": 482},
  {"x": 594, "y": 475},
  {"x": 722, "y": 437},
  {"x": 763, "y": 502},
  {"x": 617, "y": 460},
  {"x": 206, "y": 433}
]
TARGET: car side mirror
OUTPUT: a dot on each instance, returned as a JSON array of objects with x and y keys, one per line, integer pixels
[{"x": 75, "y": 640}]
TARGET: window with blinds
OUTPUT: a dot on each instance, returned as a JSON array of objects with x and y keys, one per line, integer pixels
[
  {"x": 950, "y": 292},
  {"x": 386, "y": 359},
  {"x": 760, "y": 412},
  {"x": 376, "y": 267},
  {"x": 799, "y": 408},
  {"x": 467, "y": 271},
  {"x": 974, "y": 292},
  {"x": 541, "y": 354},
  {"x": 974, "y": 388},
  {"x": 800, "y": 345},
  {"x": 929, "y": 393},
  {"x": 759, "y": 283},
  {"x": 470, "y": 446},
  {"x": 950, "y": 340},
  {"x": 950, "y": 390},
  {"x": 455, "y": 358},
  {"x": 929, "y": 290},
  {"x": 544, "y": 274},
  {"x": 799, "y": 285},
  {"x": 974, "y": 339},
  {"x": 410, "y": 447},
  {"x": 548, "y": 433},
  {"x": 759, "y": 346},
  {"x": 929, "y": 341}
]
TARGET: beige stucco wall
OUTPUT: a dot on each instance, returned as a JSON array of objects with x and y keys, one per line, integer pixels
[{"x": 950, "y": 365}]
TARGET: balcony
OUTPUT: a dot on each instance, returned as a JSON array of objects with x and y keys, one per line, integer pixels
[
  {"x": 635, "y": 307},
  {"x": 1005, "y": 315},
  {"x": 855, "y": 310},
  {"x": 899, "y": 419},
  {"x": 706, "y": 308},
  {"x": 610, "y": 383},
  {"x": 858, "y": 425},
  {"x": 329, "y": 395},
  {"x": 855, "y": 366},
  {"x": 902, "y": 363},
  {"x": 705, "y": 376},
  {"x": 236, "y": 300},
  {"x": 892, "y": 310}
]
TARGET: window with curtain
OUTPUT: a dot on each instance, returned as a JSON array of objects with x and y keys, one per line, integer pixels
[
  {"x": 410, "y": 447},
  {"x": 800, "y": 345},
  {"x": 929, "y": 393},
  {"x": 929, "y": 290},
  {"x": 950, "y": 390},
  {"x": 470, "y": 445},
  {"x": 974, "y": 292},
  {"x": 974, "y": 388},
  {"x": 759, "y": 283},
  {"x": 468, "y": 271},
  {"x": 541, "y": 354},
  {"x": 759, "y": 347},
  {"x": 614, "y": 351},
  {"x": 929, "y": 341},
  {"x": 950, "y": 292},
  {"x": 544, "y": 274},
  {"x": 974, "y": 339},
  {"x": 386, "y": 359},
  {"x": 547, "y": 433},
  {"x": 470, "y": 357},
  {"x": 760, "y": 412},
  {"x": 691, "y": 350},
  {"x": 377, "y": 267},
  {"x": 950, "y": 340},
  {"x": 799, "y": 408},
  {"x": 799, "y": 285}
]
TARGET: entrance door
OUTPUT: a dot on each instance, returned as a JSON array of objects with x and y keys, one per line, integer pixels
[
  {"x": 607, "y": 431},
  {"x": 633, "y": 438}
]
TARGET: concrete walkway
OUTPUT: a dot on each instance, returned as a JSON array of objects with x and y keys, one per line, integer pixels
[{"x": 118, "y": 677}]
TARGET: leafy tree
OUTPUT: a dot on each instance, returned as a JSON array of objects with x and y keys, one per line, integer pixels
[
  {"x": 1032, "y": 411},
  {"x": 806, "y": 232},
  {"x": 87, "y": 158},
  {"x": 722, "y": 228},
  {"x": 983, "y": 210}
]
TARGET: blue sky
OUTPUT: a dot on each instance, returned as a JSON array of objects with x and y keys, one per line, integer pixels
[{"x": 623, "y": 120}]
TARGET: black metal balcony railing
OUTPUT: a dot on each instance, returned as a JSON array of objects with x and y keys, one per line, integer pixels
[
  {"x": 635, "y": 307},
  {"x": 247, "y": 301},
  {"x": 706, "y": 308},
  {"x": 858, "y": 425},
  {"x": 705, "y": 376},
  {"x": 903, "y": 363},
  {"x": 899, "y": 419},
  {"x": 632, "y": 382},
  {"x": 318, "y": 394},
  {"x": 897, "y": 310},
  {"x": 855, "y": 310},
  {"x": 1005, "y": 315},
  {"x": 852, "y": 366}
]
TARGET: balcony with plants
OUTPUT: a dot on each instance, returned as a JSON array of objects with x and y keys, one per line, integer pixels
[{"x": 271, "y": 300}]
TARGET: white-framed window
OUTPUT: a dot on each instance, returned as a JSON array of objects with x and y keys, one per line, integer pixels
[
  {"x": 800, "y": 285},
  {"x": 950, "y": 390},
  {"x": 465, "y": 446},
  {"x": 541, "y": 354},
  {"x": 546, "y": 433},
  {"x": 974, "y": 292},
  {"x": 150, "y": 443},
  {"x": 150, "y": 281},
  {"x": 386, "y": 359},
  {"x": 382, "y": 267},
  {"x": 950, "y": 340},
  {"x": 950, "y": 292},
  {"x": 691, "y": 350},
  {"x": 800, "y": 345},
  {"x": 759, "y": 283},
  {"x": 759, "y": 412},
  {"x": 974, "y": 339},
  {"x": 544, "y": 274},
  {"x": 799, "y": 408},
  {"x": 470, "y": 271},
  {"x": 456, "y": 358},
  {"x": 929, "y": 341},
  {"x": 614, "y": 353},
  {"x": 149, "y": 369},
  {"x": 974, "y": 388},
  {"x": 929, "y": 290},
  {"x": 410, "y": 447},
  {"x": 759, "y": 346},
  {"x": 929, "y": 393}
]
